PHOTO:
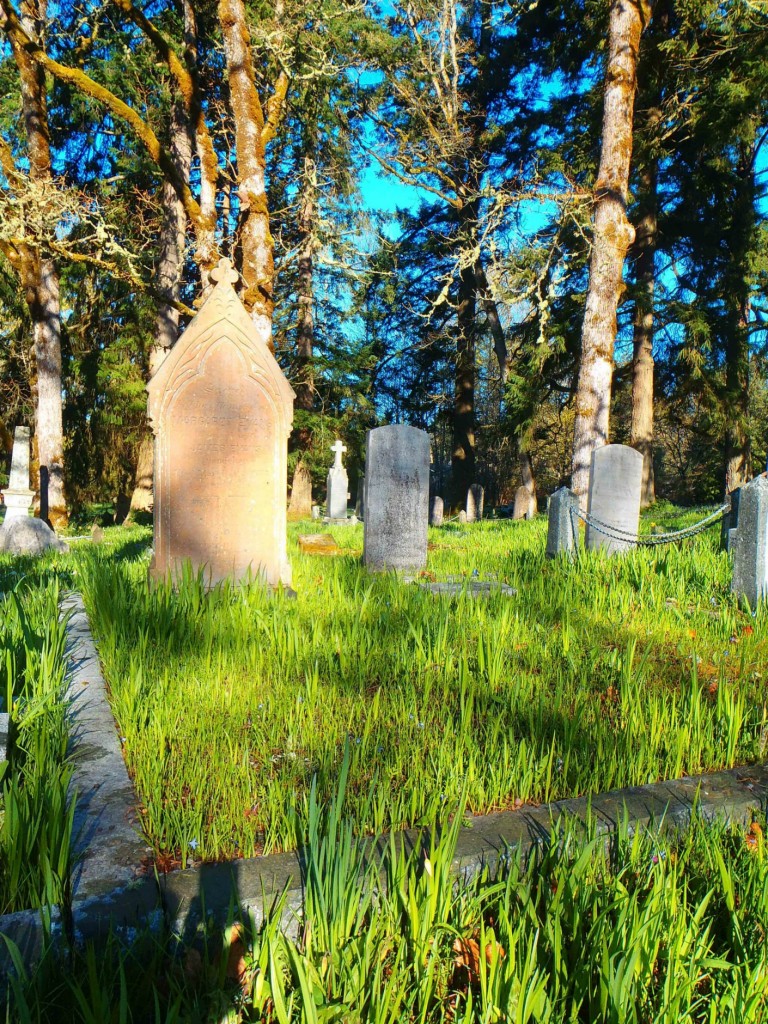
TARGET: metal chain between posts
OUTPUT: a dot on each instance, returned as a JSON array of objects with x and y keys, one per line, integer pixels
[{"x": 614, "y": 533}]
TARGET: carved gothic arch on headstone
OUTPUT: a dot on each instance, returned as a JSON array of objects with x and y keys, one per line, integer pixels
[{"x": 219, "y": 402}]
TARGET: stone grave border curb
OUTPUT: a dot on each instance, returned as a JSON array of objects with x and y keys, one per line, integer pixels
[{"x": 111, "y": 893}]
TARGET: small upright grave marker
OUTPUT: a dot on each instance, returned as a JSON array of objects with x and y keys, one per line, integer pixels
[
  {"x": 730, "y": 522},
  {"x": 221, "y": 411},
  {"x": 337, "y": 484},
  {"x": 750, "y": 551},
  {"x": 17, "y": 496},
  {"x": 615, "y": 481},
  {"x": 525, "y": 504},
  {"x": 436, "y": 513},
  {"x": 396, "y": 498},
  {"x": 475, "y": 502},
  {"x": 563, "y": 523},
  {"x": 300, "y": 505}
]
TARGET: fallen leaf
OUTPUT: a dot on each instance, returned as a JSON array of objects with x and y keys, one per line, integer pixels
[{"x": 754, "y": 838}]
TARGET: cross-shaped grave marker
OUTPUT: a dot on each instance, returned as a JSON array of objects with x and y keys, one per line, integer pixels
[{"x": 337, "y": 449}]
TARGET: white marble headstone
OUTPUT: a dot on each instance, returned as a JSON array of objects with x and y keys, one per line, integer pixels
[
  {"x": 17, "y": 496},
  {"x": 337, "y": 484},
  {"x": 615, "y": 481}
]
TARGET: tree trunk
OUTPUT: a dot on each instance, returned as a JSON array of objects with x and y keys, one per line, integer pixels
[
  {"x": 613, "y": 234},
  {"x": 306, "y": 326},
  {"x": 463, "y": 455},
  {"x": 494, "y": 321},
  {"x": 528, "y": 482},
  {"x": 170, "y": 267},
  {"x": 206, "y": 254},
  {"x": 641, "y": 436},
  {"x": 41, "y": 280},
  {"x": 741, "y": 244},
  {"x": 256, "y": 241}
]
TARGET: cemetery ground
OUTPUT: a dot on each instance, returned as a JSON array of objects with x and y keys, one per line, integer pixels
[{"x": 245, "y": 719}]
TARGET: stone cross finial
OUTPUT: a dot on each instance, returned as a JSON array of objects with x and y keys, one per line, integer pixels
[
  {"x": 224, "y": 271},
  {"x": 337, "y": 449}
]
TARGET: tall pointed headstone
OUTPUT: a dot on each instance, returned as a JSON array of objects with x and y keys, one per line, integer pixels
[{"x": 221, "y": 411}]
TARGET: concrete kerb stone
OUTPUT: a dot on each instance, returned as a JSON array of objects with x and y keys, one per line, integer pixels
[
  {"x": 109, "y": 848},
  {"x": 112, "y": 893}
]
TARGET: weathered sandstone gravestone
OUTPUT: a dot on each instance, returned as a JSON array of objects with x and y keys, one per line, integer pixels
[
  {"x": 562, "y": 523},
  {"x": 396, "y": 498},
  {"x": 615, "y": 480},
  {"x": 17, "y": 496},
  {"x": 436, "y": 512},
  {"x": 337, "y": 485},
  {"x": 221, "y": 411},
  {"x": 475, "y": 503},
  {"x": 750, "y": 550},
  {"x": 318, "y": 544},
  {"x": 525, "y": 504},
  {"x": 29, "y": 536},
  {"x": 300, "y": 505}
]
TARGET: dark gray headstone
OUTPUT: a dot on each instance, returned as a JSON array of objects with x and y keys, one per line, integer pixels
[
  {"x": 396, "y": 498},
  {"x": 730, "y": 522},
  {"x": 475, "y": 503},
  {"x": 615, "y": 482},
  {"x": 436, "y": 512},
  {"x": 360, "y": 503},
  {"x": 5, "y": 736},
  {"x": 750, "y": 552},
  {"x": 29, "y": 536},
  {"x": 563, "y": 523}
]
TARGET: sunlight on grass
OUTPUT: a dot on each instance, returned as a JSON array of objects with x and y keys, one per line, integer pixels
[{"x": 595, "y": 675}]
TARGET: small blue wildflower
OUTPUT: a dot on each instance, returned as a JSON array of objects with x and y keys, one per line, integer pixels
[
  {"x": 193, "y": 844},
  {"x": 410, "y": 715},
  {"x": 379, "y": 750},
  {"x": 421, "y": 725},
  {"x": 357, "y": 740}
]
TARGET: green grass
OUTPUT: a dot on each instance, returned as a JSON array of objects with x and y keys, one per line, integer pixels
[
  {"x": 36, "y": 811},
  {"x": 669, "y": 931},
  {"x": 598, "y": 674}
]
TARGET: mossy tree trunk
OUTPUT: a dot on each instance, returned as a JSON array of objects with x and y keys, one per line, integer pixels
[
  {"x": 644, "y": 251},
  {"x": 40, "y": 279},
  {"x": 305, "y": 332},
  {"x": 613, "y": 234},
  {"x": 252, "y": 133}
]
